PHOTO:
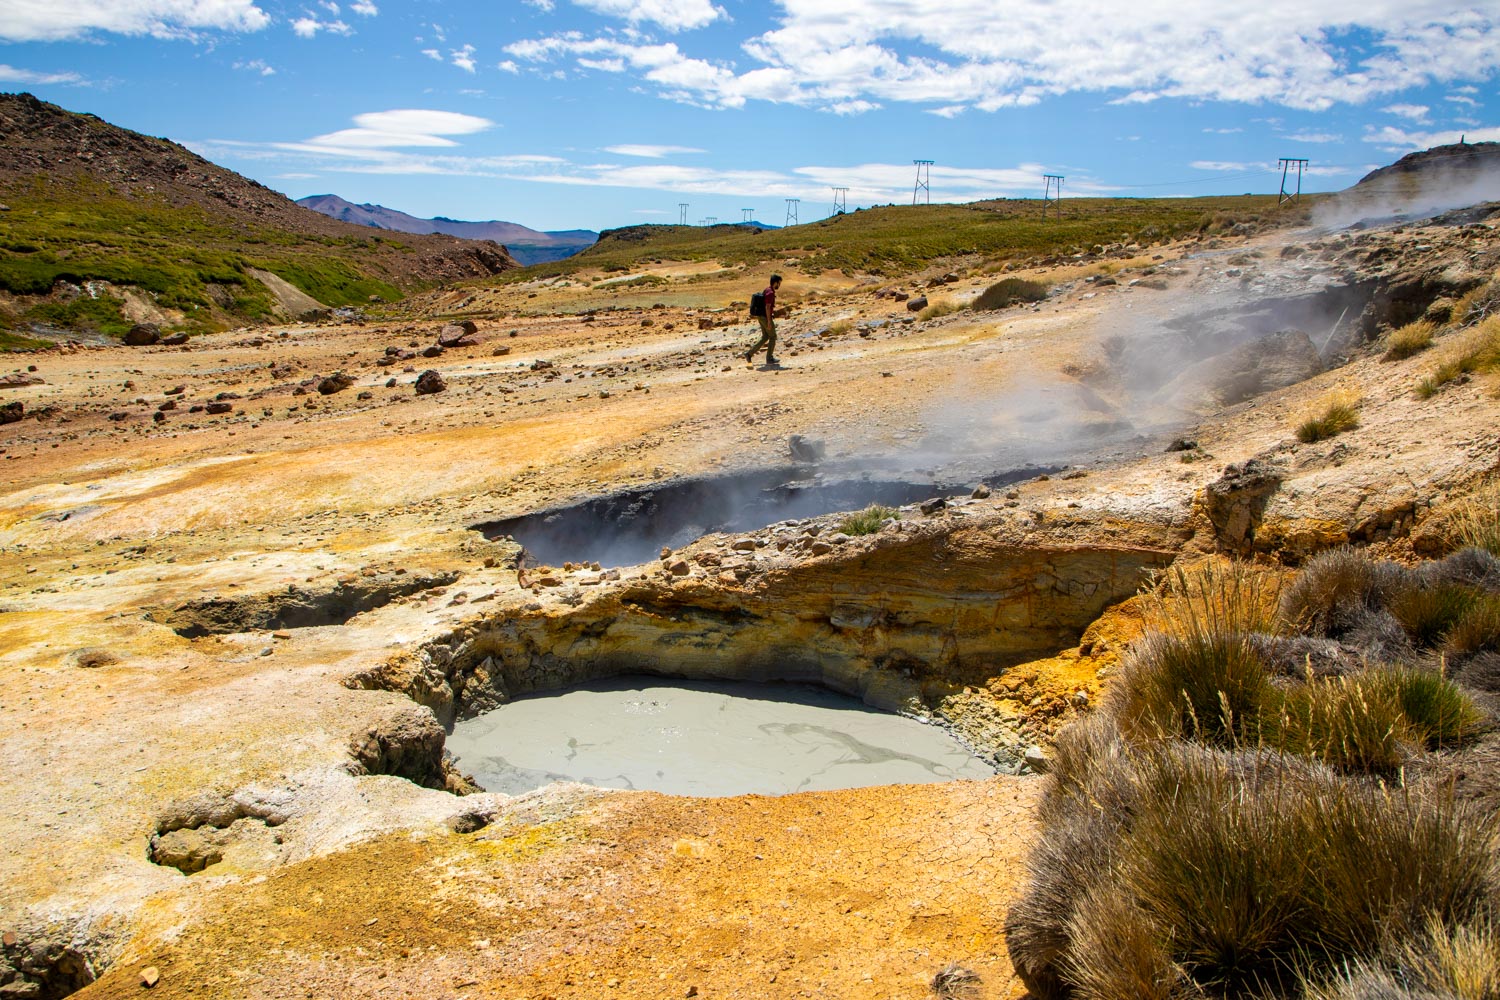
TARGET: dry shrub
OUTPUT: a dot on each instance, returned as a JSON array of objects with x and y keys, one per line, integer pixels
[
  {"x": 955, "y": 982},
  {"x": 1470, "y": 566},
  {"x": 1338, "y": 413},
  {"x": 1437, "y": 714},
  {"x": 1336, "y": 590},
  {"x": 1477, "y": 304},
  {"x": 1477, "y": 630},
  {"x": 1463, "y": 960},
  {"x": 868, "y": 521},
  {"x": 938, "y": 310},
  {"x": 1344, "y": 722},
  {"x": 1413, "y": 338},
  {"x": 1009, "y": 291},
  {"x": 1209, "y": 688}
]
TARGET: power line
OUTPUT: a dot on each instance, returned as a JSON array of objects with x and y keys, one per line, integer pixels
[
  {"x": 791, "y": 210},
  {"x": 924, "y": 177}
]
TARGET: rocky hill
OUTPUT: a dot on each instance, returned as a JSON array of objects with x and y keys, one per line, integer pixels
[
  {"x": 148, "y": 230},
  {"x": 527, "y": 246}
]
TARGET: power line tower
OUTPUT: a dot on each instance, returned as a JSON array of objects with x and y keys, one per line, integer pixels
[
  {"x": 1052, "y": 194},
  {"x": 840, "y": 200},
  {"x": 924, "y": 178},
  {"x": 1286, "y": 164},
  {"x": 712, "y": 220},
  {"x": 791, "y": 210},
  {"x": 682, "y": 208},
  {"x": 749, "y": 214}
]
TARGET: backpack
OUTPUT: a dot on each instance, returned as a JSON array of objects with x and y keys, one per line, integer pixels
[{"x": 758, "y": 304}]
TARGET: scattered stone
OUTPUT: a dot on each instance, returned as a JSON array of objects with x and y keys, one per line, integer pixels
[
  {"x": 743, "y": 545},
  {"x": 175, "y": 340},
  {"x": 176, "y": 390},
  {"x": 917, "y": 304},
  {"x": 219, "y": 406},
  {"x": 1182, "y": 444},
  {"x": 119, "y": 415},
  {"x": 981, "y": 492},
  {"x": 92, "y": 656},
  {"x": 931, "y": 507},
  {"x": 1035, "y": 759},
  {"x": 17, "y": 379},
  {"x": 170, "y": 404},
  {"x": 143, "y": 335},
  {"x": 432, "y": 352},
  {"x": 429, "y": 382},
  {"x": 805, "y": 449},
  {"x": 150, "y": 976},
  {"x": 11, "y": 413},
  {"x": 540, "y": 364}
]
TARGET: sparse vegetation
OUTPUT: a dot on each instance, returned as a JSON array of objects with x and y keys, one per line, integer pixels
[
  {"x": 1338, "y": 413},
  {"x": 1476, "y": 520},
  {"x": 1478, "y": 350},
  {"x": 1009, "y": 291},
  {"x": 868, "y": 521},
  {"x": 1477, "y": 304},
  {"x": 1211, "y": 830},
  {"x": 1413, "y": 338},
  {"x": 937, "y": 310}
]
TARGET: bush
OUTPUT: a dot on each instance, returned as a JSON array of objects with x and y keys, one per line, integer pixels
[
  {"x": 1008, "y": 291},
  {"x": 1210, "y": 688},
  {"x": 1477, "y": 629},
  {"x": 1428, "y": 613},
  {"x": 1413, "y": 338},
  {"x": 1339, "y": 413},
  {"x": 867, "y": 521},
  {"x": 1477, "y": 304},
  {"x": 1476, "y": 520},
  {"x": 938, "y": 310},
  {"x": 1436, "y": 712},
  {"x": 1344, "y": 722}
]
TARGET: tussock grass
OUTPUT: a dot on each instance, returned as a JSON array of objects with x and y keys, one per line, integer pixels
[
  {"x": 1337, "y": 414},
  {"x": 938, "y": 310},
  {"x": 868, "y": 521},
  {"x": 1220, "y": 828},
  {"x": 1413, "y": 338},
  {"x": 1010, "y": 291},
  {"x": 839, "y": 327},
  {"x": 1477, "y": 629},
  {"x": 1477, "y": 304},
  {"x": 1476, "y": 351},
  {"x": 1428, "y": 613},
  {"x": 1476, "y": 520}
]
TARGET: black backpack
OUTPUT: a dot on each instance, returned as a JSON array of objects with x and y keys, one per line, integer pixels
[{"x": 758, "y": 304}]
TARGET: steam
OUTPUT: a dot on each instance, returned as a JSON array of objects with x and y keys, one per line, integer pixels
[{"x": 1451, "y": 177}]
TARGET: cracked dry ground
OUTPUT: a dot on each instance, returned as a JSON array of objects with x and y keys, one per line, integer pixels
[{"x": 330, "y": 880}]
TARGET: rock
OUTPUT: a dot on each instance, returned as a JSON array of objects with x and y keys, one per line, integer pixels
[
  {"x": 500, "y": 352},
  {"x": 1182, "y": 444},
  {"x": 1273, "y": 361},
  {"x": 92, "y": 656},
  {"x": 143, "y": 335},
  {"x": 900, "y": 296},
  {"x": 917, "y": 304},
  {"x": 540, "y": 364},
  {"x": 432, "y": 351},
  {"x": 119, "y": 415},
  {"x": 679, "y": 567},
  {"x": 1236, "y": 501},
  {"x": 11, "y": 412},
  {"x": 429, "y": 382},
  {"x": 170, "y": 404},
  {"x": 804, "y": 449},
  {"x": 367, "y": 394},
  {"x": 17, "y": 379},
  {"x": 150, "y": 976},
  {"x": 981, "y": 492},
  {"x": 820, "y": 547},
  {"x": 175, "y": 340},
  {"x": 176, "y": 390},
  {"x": 1036, "y": 759},
  {"x": 337, "y": 382},
  {"x": 158, "y": 417},
  {"x": 391, "y": 383},
  {"x": 743, "y": 545},
  {"x": 219, "y": 406},
  {"x": 461, "y": 334},
  {"x": 930, "y": 507}
]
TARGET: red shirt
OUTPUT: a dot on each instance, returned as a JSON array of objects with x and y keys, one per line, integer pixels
[{"x": 770, "y": 296}]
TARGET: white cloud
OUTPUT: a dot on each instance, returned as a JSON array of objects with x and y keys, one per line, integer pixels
[
  {"x": 1462, "y": 99},
  {"x": 364, "y": 8},
  {"x": 383, "y": 130},
  {"x": 256, "y": 66},
  {"x": 11, "y": 74},
  {"x": 949, "y": 111},
  {"x": 1314, "y": 137},
  {"x": 508, "y": 66},
  {"x": 329, "y": 6},
  {"x": 49, "y": 20},
  {"x": 433, "y": 54},
  {"x": 543, "y": 5},
  {"x": 673, "y": 15},
  {"x": 1223, "y": 131},
  {"x": 1401, "y": 141},
  {"x": 463, "y": 58},
  {"x": 1227, "y": 166},
  {"x": 846, "y": 55},
  {"x": 651, "y": 152},
  {"x": 1412, "y": 112},
  {"x": 309, "y": 26}
]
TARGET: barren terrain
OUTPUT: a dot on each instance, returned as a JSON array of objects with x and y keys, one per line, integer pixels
[{"x": 228, "y": 640}]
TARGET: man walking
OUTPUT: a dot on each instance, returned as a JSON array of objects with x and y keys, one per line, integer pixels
[{"x": 767, "y": 324}]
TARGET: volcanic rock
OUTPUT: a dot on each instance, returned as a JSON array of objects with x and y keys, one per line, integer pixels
[
  {"x": 11, "y": 412},
  {"x": 143, "y": 335},
  {"x": 917, "y": 304},
  {"x": 337, "y": 382},
  {"x": 219, "y": 406},
  {"x": 17, "y": 379},
  {"x": 429, "y": 382},
  {"x": 805, "y": 450},
  {"x": 463, "y": 334}
]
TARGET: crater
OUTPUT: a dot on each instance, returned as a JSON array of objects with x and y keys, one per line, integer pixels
[
  {"x": 632, "y": 526},
  {"x": 703, "y": 738}
]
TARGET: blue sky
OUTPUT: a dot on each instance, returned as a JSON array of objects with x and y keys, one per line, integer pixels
[{"x": 593, "y": 114}]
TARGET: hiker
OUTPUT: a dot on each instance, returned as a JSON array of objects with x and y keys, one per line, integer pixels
[{"x": 766, "y": 315}]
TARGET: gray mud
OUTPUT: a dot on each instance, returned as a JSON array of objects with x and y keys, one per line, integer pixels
[{"x": 705, "y": 739}]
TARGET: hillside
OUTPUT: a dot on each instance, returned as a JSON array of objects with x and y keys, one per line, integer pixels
[
  {"x": 894, "y": 240},
  {"x": 175, "y": 239},
  {"x": 527, "y": 246}
]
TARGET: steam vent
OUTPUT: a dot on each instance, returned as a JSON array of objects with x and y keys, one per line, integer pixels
[{"x": 1120, "y": 622}]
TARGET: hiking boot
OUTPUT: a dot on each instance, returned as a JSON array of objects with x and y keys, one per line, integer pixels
[
  {"x": 772, "y": 361},
  {"x": 750, "y": 358}
]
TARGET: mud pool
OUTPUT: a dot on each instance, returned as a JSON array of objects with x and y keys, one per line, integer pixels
[{"x": 704, "y": 739}]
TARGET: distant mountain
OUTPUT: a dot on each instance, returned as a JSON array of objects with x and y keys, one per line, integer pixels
[
  {"x": 527, "y": 246},
  {"x": 178, "y": 239}
]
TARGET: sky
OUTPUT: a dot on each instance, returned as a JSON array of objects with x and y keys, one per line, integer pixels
[{"x": 594, "y": 114}]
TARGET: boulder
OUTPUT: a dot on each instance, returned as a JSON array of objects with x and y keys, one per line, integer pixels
[
  {"x": 175, "y": 340},
  {"x": 464, "y": 334},
  {"x": 11, "y": 412},
  {"x": 429, "y": 382},
  {"x": 805, "y": 450},
  {"x": 219, "y": 406},
  {"x": 337, "y": 382},
  {"x": 17, "y": 379},
  {"x": 917, "y": 304},
  {"x": 143, "y": 335}
]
